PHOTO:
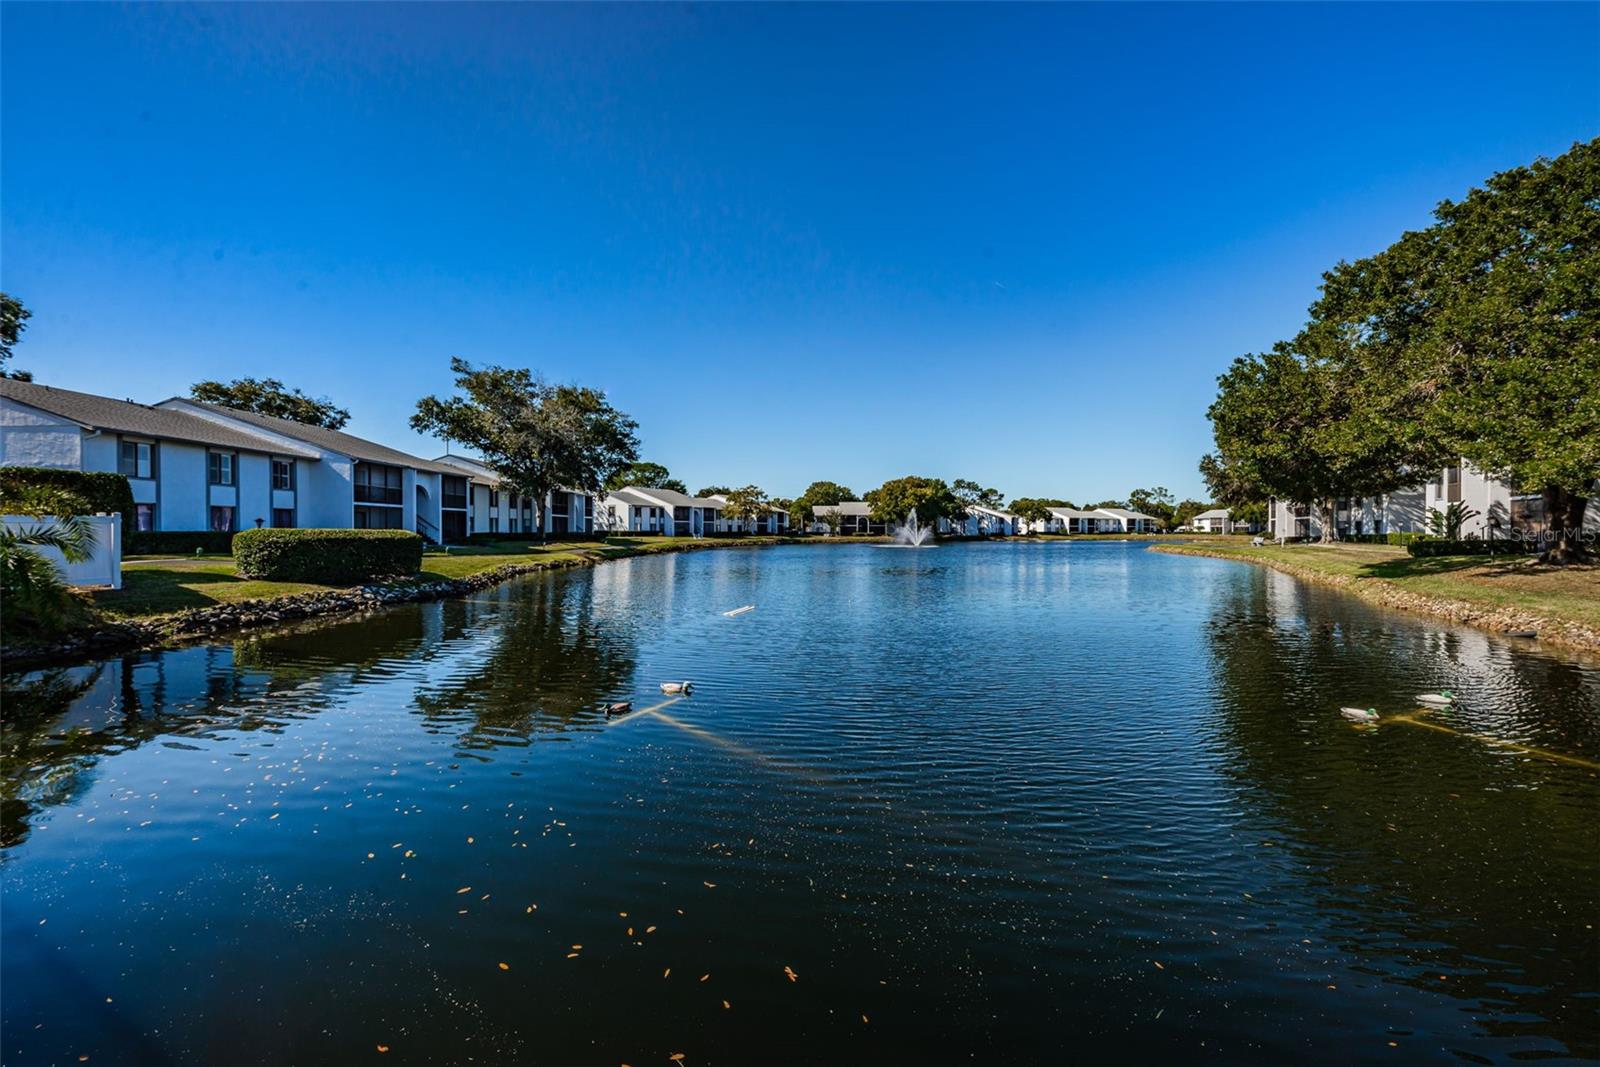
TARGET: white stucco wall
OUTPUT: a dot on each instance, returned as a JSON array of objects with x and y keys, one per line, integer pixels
[
  {"x": 325, "y": 492},
  {"x": 33, "y": 438},
  {"x": 100, "y": 452},
  {"x": 251, "y": 492},
  {"x": 183, "y": 488}
]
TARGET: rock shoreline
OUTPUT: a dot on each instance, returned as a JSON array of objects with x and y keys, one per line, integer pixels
[
  {"x": 1502, "y": 621},
  {"x": 114, "y": 638}
]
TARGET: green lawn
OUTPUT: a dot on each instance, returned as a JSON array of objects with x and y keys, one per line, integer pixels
[
  {"x": 161, "y": 585},
  {"x": 1571, "y": 593}
]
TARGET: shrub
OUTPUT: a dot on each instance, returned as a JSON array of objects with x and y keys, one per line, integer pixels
[
  {"x": 1439, "y": 546},
  {"x": 93, "y": 492},
  {"x": 330, "y": 557},
  {"x": 178, "y": 542}
]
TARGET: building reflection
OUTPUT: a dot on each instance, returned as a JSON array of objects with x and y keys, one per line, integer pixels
[{"x": 522, "y": 661}]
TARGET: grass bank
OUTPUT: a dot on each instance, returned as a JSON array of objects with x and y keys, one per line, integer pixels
[
  {"x": 163, "y": 586},
  {"x": 1561, "y": 604}
]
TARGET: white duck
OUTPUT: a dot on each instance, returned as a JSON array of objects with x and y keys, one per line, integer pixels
[
  {"x": 1360, "y": 714},
  {"x": 676, "y": 687},
  {"x": 1438, "y": 700}
]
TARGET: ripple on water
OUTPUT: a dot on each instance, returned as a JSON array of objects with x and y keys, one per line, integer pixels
[{"x": 985, "y": 797}]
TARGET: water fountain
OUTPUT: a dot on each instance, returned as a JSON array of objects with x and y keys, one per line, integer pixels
[{"x": 912, "y": 534}]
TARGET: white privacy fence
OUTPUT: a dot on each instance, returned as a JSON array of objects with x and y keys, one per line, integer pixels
[{"x": 104, "y": 565}]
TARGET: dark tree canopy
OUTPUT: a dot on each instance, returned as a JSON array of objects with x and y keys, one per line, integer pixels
[
  {"x": 536, "y": 436},
  {"x": 817, "y": 493},
  {"x": 269, "y": 396},
  {"x": 930, "y": 498},
  {"x": 645, "y": 476},
  {"x": 714, "y": 490},
  {"x": 1157, "y": 502},
  {"x": 13, "y": 321}
]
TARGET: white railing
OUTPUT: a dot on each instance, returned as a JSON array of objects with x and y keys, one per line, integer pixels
[{"x": 104, "y": 565}]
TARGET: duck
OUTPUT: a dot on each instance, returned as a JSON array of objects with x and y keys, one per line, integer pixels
[
  {"x": 1360, "y": 714},
  {"x": 621, "y": 707},
  {"x": 676, "y": 687},
  {"x": 1438, "y": 700}
]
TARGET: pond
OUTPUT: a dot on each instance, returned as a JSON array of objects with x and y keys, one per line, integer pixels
[{"x": 985, "y": 802}]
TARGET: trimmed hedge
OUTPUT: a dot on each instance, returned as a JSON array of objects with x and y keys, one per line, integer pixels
[
  {"x": 329, "y": 557},
  {"x": 1438, "y": 546},
  {"x": 178, "y": 542},
  {"x": 98, "y": 491}
]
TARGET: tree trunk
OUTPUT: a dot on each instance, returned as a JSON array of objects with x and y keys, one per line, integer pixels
[
  {"x": 1330, "y": 533},
  {"x": 1564, "y": 511}
]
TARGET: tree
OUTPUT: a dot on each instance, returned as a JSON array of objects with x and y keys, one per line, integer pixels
[
  {"x": 1448, "y": 523},
  {"x": 31, "y": 588},
  {"x": 1107, "y": 504},
  {"x": 1229, "y": 485},
  {"x": 1157, "y": 502},
  {"x": 714, "y": 490},
  {"x": 817, "y": 493},
  {"x": 645, "y": 476},
  {"x": 1185, "y": 511},
  {"x": 537, "y": 437},
  {"x": 832, "y": 520},
  {"x": 970, "y": 495},
  {"x": 747, "y": 504},
  {"x": 1487, "y": 323},
  {"x": 269, "y": 396},
  {"x": 13, "y": 320},
  {"x": 1030, "y": 509},
  {"x": 930, "y": 498},
  {"x": 1302, "y": 422}
]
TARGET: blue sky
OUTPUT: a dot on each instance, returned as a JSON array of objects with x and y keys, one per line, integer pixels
[{"x": 1010, "y": 243}]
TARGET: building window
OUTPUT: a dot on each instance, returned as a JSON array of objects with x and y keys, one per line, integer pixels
[
  {"x": 282, "y": 474},
  {"x": 494, "y": 498},
  {"x": 378, "y": 484},
  {"x": 494, "y": 524},
  {"x": 513, "y": 526},
  {"x": 144, "y": 516},
  {"x": 378, "y": 518},
  {"x": 135, "y": 459},
  {"x": 219, "y": 469},
  {"x": 454, "y": 492},
  {"x": 223, "y": 519},
  {"x": 283, "y": 518}
]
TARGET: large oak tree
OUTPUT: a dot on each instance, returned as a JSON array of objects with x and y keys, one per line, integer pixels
[{"x": 536, "y": 436}]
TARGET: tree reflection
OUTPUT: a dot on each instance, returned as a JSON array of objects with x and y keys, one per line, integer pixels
[
  {"x": 547, "y": 665},
  {"x": 1437, "y": 861}
]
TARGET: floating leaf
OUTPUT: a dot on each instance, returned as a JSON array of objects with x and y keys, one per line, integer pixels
[
  {"x": 505, "y": 966},
  {"x": 790, "y": 972},
  {"x": 703, "y": 977},
  {"x": 463, "y": 889}
]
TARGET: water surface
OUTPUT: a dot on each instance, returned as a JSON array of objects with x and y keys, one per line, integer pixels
[{"x": 988, "y": 802}]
